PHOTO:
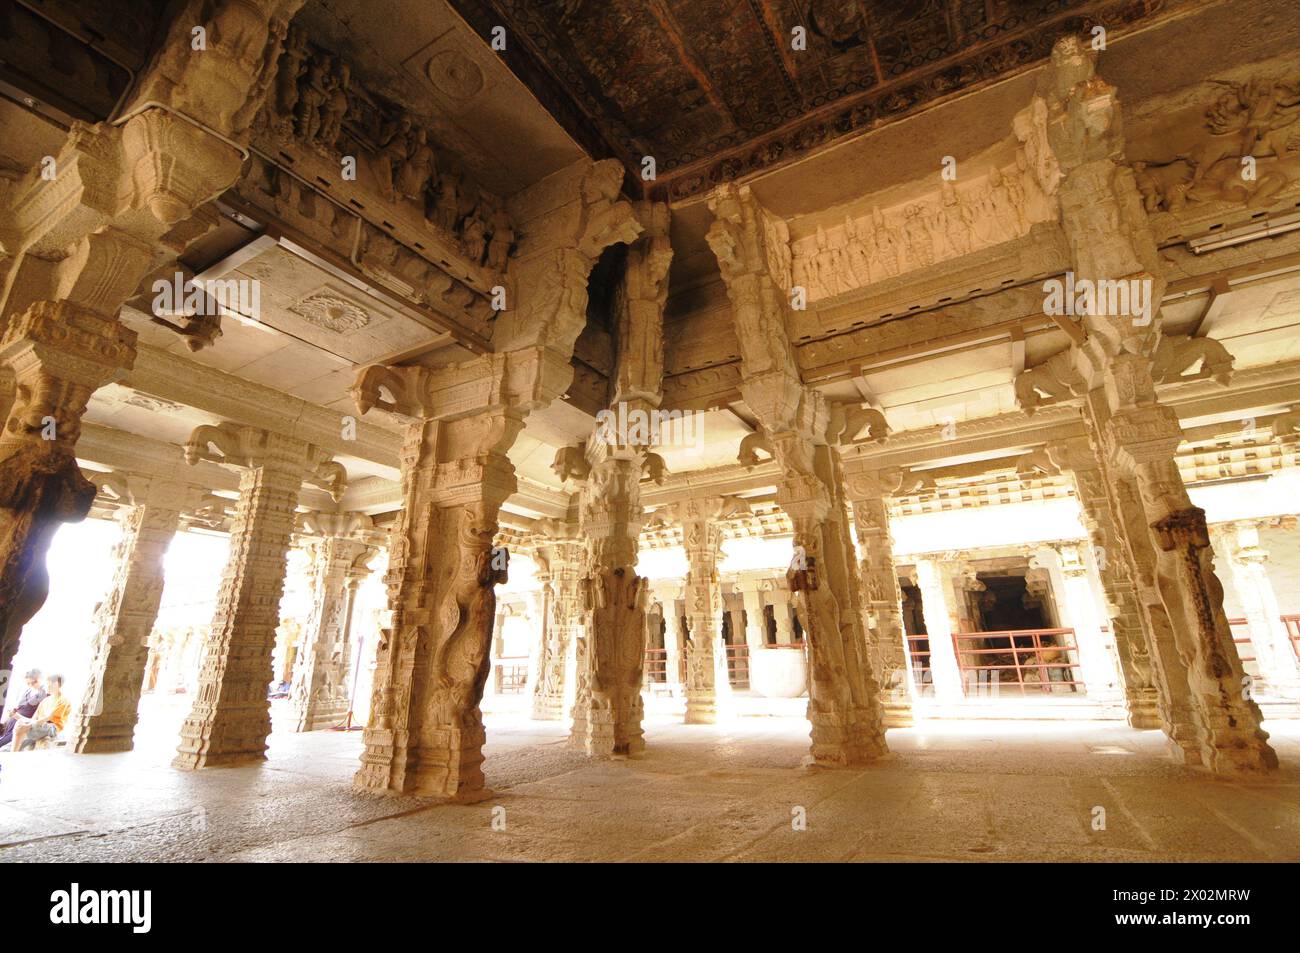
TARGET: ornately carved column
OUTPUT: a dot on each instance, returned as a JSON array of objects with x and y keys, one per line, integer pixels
[
  {"x": 706, "y": 659},
  {"x": 560, "y": 551},
  {"x": 1111, "y": 241},
  {"x": 426, "y": 729},
  {"x": 320, "y": 693},
  {"x": 79, "y": 245},
  {"x": 231, "y": 717},
  {"x": 1128, "y": 619},
  {"x": 611, "y": 655},
  {"x": 868, "y": 491},
  {"x": 801, "y": 430},
  {"x": 109, "y": 709}
]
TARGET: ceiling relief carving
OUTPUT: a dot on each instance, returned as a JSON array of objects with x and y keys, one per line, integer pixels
[
  {"x": 951, "y": 222},
  {"x": 1256, "y": 123},
  {"x": 378, "y": 160},
  {"x": 713, "y": 90},
  {"x": 330, "y": 310}
]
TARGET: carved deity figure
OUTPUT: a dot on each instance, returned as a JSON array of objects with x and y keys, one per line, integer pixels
[
  {"x": 313, "y": 90},
  {"x": 335, "y": 108},
  {"x": 291, "y": 66},
  {"x": 418, "y": 169},
  {"x": 447, "y": 205},
  {"x": 503, "y": 237},
  {"x": 392, "y": 156}
]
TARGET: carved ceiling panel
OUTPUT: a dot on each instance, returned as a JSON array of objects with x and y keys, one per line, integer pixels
[{"x": 713, "y": 89}]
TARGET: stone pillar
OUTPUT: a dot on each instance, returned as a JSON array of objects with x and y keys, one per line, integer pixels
[
  {"x": 608, "y": 708},
  {"x": 1239, "y": 544},
  {"x": 559, "y": 550},
  {"x": 80, "y": 243},
  {"x": 706, "y": 657},
  {"x": 1116, "y": 357},
  {"x": 673, "y": 640},
  {"x": 426, "y": 729},
  {"x": 1128, "y": 620},
  {"x": 1078, "y": 610},
  {"x": 320, "y": 694},
  {"x": 781, "y": 612},
  {"x": 611, "y": 657},
  {"x": 802, "y": 431},
  {"x": 945, "y": 675},
  {"x": 231, "y": 717},
  {"x": 868, "y": 491},
  {"x": 110, "y": 708},
  {"x": 755, "y": 618}
]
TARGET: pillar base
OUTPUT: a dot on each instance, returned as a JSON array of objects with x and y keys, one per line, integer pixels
[
  {"x": 193, "y": 762},
  {"x": 92, "y": 736},
  {"x": 596, "y": 732},
  {"x": 701, "y": 712},
  {"x": 450, "y": 766}
]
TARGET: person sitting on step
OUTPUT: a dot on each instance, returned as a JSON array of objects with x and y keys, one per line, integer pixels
[
  {"x": 51, "y": 715},
  {"x": 32, "y": 696}
]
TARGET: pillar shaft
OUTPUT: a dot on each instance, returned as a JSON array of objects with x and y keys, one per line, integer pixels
[
  {"x": 945, "y": 675},
  {"x": 426, "y": 729},
  {"x": 801, "y": 431},
  {"x": 320, "y": 693},
  {"x": 607, "y": 709},
  {"x": 231, "y": 717},
  {"x": 560, "y": 551},
  {"x": 1111, "y": 241},
  {"x": 1078, "y": 610},
  {"x": 882, "y": 594},
  {"x": 1129, "y": 623},
  {"x": 108, "y": 714}
]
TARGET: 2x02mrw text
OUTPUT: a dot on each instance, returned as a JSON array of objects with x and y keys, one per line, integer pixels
[{"x": 1146, "y": 896}]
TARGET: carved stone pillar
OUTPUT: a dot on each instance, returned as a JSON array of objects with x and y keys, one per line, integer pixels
[
  {"x": 79, "y": 245},
  {"x": 945, "y": 675},
  {"x": 560, "y": 550},
  {"x": 1112, "y": 242},
  {"x": 801, "y": 431},
  {"x": 883, "y": 598},
  {"x": 231, "y": 717},
  {"x": 755, "y": 618},
  {"x": 320, "y": 693},
  {"x": 1278, "y": 670},
  {"x": 611, "y": 655},
  {"x": 673, "y": 640},
  {"x": 109, "y": 710},
  {"x": 426, "y": 729},
  {"x": 1129, "y": 624},
  {"x": 706, "y": 657},
  {"x": 784, "y": 621}
]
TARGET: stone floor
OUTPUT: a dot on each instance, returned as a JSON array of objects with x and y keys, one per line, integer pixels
[{"x": 987, "y": 790}]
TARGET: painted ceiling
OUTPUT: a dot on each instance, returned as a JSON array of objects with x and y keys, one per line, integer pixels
[{"x": 714, "y": 91}]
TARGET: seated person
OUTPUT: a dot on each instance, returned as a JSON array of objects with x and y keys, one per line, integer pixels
[
  {"x": 25, "y": 708},
  {"x": 51, "y": 715},
  {"x": 280, "y": 690}
]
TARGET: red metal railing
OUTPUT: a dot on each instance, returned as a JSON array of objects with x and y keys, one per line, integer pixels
[
  {"x": 511, "y": 674},
  {"x": 1292, "y": 623},
  {"x": 921, "y": 678},
  {"x": 738, "y": 665},
  {"x": 1245, "y": 647},
  {"x": 1028, "y": 659},
  {"x": 656, "y": 666}
]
